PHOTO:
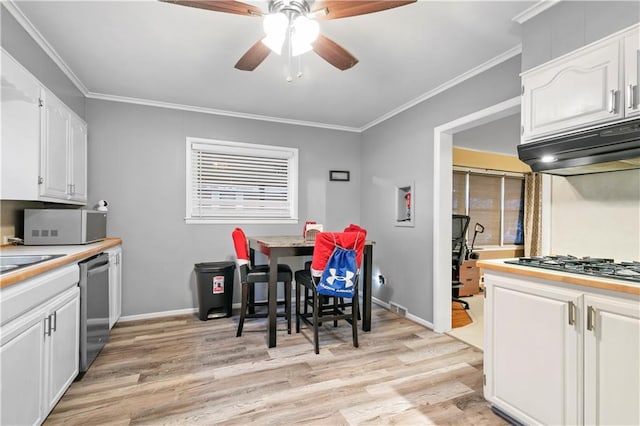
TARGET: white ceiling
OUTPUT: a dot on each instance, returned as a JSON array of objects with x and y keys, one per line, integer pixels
[{"x": 164, "y": 53}]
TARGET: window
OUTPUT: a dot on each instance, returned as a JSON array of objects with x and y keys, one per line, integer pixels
[
  {"x": 493, "y": 199},
  {"x": 231, "y": 182}
]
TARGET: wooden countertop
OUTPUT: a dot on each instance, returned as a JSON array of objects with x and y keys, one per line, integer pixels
[
  {"x": 620, "y": 286},
  {"x": 73, "y": 253}
]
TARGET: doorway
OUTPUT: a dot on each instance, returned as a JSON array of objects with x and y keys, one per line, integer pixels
[{"x": 442, "y": 206}]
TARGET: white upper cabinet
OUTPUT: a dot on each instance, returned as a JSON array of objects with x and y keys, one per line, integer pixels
[
  {"x": 20, "y": 95},
  {"x": 586, "y": 88},
  {"x": 55, "y": 135},
  {"x": 78, "y": 160},
  {"x": 632, "y": 73},
  {"x": 44, "y": 143},
  {"x": 579, "y": 90},
  {"x": 63, "y": 154}
]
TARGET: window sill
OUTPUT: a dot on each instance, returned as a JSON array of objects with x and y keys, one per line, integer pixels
[
  {"x": 498, "y": 248},
  {"x": 234, "y": 221}
]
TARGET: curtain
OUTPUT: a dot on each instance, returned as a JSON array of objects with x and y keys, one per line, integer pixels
[{"x": 532, "y": 214}]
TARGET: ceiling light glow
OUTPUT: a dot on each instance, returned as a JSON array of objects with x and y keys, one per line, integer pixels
[{"x": 275, "y": 27}]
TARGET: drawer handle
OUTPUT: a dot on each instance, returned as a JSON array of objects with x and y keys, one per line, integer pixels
[{"x": 630, "y": 94}]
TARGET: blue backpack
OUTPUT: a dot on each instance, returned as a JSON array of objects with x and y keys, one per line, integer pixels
[{"x": 339, "y": 276}]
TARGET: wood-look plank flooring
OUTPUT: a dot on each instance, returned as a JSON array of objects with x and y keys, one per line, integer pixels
[{"x": 180, "y": 370}]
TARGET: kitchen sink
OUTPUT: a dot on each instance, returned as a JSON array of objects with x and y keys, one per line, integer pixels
[{"x": 9, "y": 263}]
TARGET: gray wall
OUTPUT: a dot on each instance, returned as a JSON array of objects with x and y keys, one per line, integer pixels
[
  {"x": 15, "y": 40},
  {"x": 500, "y": 136},
  {"x": 570, "y": 25},
  {"x": 137, "y": 163},
  {"x": 399, "y": 149}
]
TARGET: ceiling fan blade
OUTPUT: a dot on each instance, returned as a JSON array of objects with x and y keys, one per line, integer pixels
[
  {"x": 226, "y": 6},
  {"x": 254, "y": 57},
  {"x": 333, "y": 53},
  {"x": 342, "y": 9}
]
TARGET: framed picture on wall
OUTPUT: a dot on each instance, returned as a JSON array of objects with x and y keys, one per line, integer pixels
[{"x": 339, "y": 175}]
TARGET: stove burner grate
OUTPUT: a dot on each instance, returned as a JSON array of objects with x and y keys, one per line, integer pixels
[{"x": 598, "y": 267}]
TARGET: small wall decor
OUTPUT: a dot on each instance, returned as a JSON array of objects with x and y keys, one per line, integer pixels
[
  {"x": 404, "y": 205},
  {"x": 339, "y": 175}
]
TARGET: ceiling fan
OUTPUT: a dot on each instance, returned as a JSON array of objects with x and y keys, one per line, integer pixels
[{"x": 293, "y": 24}]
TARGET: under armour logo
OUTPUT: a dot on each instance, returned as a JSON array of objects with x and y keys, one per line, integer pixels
[{"x": 347, "y": 279}]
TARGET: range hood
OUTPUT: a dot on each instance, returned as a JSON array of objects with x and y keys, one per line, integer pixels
[{"x": 605, "y": 149}]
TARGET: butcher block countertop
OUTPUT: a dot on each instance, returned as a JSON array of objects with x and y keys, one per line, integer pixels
[
  {"x": 620, "y": 286},
  {"x": 74, "y": 253}
]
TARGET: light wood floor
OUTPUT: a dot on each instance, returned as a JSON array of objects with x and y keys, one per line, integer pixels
[{"x": 179, "y": 370}]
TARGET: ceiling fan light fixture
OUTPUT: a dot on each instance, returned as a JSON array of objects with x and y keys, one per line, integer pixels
[
  {"x": 275, "y": 27},
  {"x": 306, "y": 30},
  {"x": 274, "y": 43},
  {"x": 275, "y": 24},
  {"x": 298, "y": 48}
]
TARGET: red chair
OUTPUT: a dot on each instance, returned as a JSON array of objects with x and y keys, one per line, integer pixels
[
  {"x": 328, "y": 308},
  {"x": 250, "y": 275}
]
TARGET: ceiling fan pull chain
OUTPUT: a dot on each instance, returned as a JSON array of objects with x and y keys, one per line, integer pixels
[
  {"x": 299, "y": 75},
  {"x": 289, "y": 52}
]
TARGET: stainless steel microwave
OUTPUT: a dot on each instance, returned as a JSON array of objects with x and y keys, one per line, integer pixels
[{"x": 63, "y": 226}]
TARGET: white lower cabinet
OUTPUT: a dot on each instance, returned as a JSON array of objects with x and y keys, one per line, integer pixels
[
  {"x": 39, "y": 349},
  {"x": 62, "y": 345},
  {"x": 115, "y": 284},
  {"x": 558, "y": 354},
  {"x": 22, "y": 367},
  {"x": 611, "y": 361}
]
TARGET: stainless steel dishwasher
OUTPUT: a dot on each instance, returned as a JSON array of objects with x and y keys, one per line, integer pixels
[{"x": 94, "y": 308}]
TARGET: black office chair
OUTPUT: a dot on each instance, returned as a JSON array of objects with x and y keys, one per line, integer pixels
[{"x": 459, "y": 226}]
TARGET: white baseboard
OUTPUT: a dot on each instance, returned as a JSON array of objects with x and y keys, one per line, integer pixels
[
  {"x": 419, "y": 320},
  {"x": 152, "y": 315},
  {"x": 402, "y": 311},
  {"x": 186, "y": 311}
]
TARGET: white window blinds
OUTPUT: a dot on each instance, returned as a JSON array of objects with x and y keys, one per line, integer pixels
[{"x": 240, "y": 183}]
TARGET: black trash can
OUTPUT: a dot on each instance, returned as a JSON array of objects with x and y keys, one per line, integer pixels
[{"x": 215, "y": 289}]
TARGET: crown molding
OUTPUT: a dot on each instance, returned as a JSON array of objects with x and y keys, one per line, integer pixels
[
  {"x": 44, "y": 44},
  {"x": 213, "y": 111},
  {"x": 534, "y": 10},
  {"x": 514, "y": 51},
  {"x": 51, "y": 52}
]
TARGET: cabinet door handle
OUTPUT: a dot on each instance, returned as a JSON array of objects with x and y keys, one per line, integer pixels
[
  {"x": 591, "y": 318},
  {"x": 612, "y": 101},
  {"x": 55, "y": 321},
  {"x": 47, "y": 326},
  {"x": 572, "y": 312},
  {"x": 630, "y": 100}
]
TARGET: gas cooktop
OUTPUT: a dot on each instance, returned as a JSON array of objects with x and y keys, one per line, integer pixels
[{"x": 595, "y": 267}]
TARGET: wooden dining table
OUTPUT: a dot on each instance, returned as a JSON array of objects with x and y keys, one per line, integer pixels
[{"x": 278, "y": 246}]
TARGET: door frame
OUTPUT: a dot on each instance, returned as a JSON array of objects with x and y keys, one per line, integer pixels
[{"x": 442, "y": 204}]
